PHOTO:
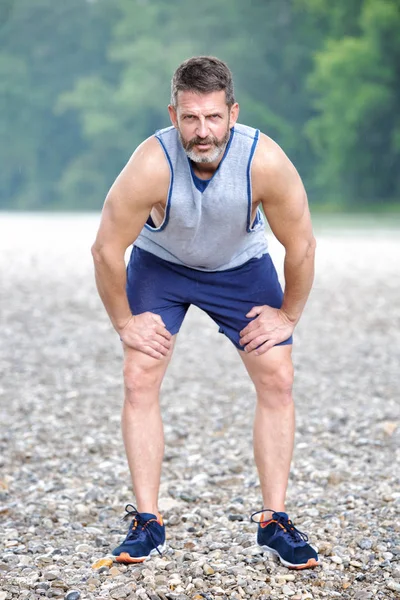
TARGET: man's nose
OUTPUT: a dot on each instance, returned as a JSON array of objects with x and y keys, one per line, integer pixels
[{"x": 202, "y": 129}]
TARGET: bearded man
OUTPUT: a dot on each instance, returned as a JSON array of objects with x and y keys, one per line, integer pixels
[{"x": 189, "y": 201}]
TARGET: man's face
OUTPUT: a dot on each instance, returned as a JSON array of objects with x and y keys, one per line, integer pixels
[{"x": 203, "y": 122}]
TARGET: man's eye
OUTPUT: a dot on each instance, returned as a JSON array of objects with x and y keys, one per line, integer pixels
[{"x": 188, "y": 117}]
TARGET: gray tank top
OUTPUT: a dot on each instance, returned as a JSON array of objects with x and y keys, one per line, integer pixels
[{"x": 208, "y": 230}]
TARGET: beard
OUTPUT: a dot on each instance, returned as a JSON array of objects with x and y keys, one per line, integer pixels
[{"x": 217, "y": 147}]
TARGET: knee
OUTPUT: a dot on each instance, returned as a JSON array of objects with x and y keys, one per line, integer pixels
[
  {"x": 274, "y": 385},
  {"x": 142, "y": 383}
]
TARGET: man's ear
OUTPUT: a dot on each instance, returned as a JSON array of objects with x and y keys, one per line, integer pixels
[
  {"x": 233, "y": 114},
  {"x": 173, "y": 115}
]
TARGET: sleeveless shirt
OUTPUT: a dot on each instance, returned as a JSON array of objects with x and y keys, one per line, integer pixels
[{"x": 208, "y": 229}]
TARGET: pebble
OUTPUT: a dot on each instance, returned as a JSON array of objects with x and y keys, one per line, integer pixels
[
  {"x": 208, "y": 570},
  {"x": 103, "y": 562},
  {"x": 393, "y": 585},
  {"x": 60, "y": 523},
  {"x": 356, "y": 563},
  {"x": 365, "y": 544},
  {"x": 82, "y": 548},
  {"x": 50, "y": 575},
  {"x": 72, "y": 595}
]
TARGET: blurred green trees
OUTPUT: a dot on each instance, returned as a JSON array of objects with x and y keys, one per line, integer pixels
[
  {"x": 83, "y": 82},
  {"x": 355, "y": 84}
]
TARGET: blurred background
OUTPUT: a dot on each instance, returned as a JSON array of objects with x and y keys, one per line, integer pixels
[{"x": 84, "y": 81}]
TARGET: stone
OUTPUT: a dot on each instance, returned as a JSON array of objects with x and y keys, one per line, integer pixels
[
  {"x": 288, "y": 591},
  {"x": 119, "y": 592},
  {"x": 72, "y": 595},
  {"x": 336, "y": 559},
  {"x": 393, "y": 585},
  {"x": 103, "y": 562},
  {"x": 208, "y": 570},
  {"x": 356, "y": 563},
  {"x": 389, "y": 427},
  {"x": 365, "y": 544},
  {"x": 50, "y": 575},
  {"x": 82, "y": 548}
]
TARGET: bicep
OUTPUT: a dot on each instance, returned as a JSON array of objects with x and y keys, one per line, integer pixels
[
  {"x": 123, "y": 217},
  {"x": 128, "y": 203},
  {"x": 286, "y": 206}
]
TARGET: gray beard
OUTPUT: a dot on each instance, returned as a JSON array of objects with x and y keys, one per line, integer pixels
[
  {"x": 202, "y": 158},
  {"x": 212, "y": 155}
]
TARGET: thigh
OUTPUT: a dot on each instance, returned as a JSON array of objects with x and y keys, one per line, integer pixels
[
  {"x": 156, "y": 286},
  {"x": 276, "y": 362},
  {"x": 142, "y": 370},
  {"x": 227, "y": 296}
]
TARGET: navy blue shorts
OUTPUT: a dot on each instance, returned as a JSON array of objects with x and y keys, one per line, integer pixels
[{"x": 168, "y": 289}]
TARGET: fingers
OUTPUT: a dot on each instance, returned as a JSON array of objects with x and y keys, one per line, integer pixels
[
  {"x": 159, "y": 347},
  {"x": 148, "y": 334},
  {"x": 255, "y": 342},
  {"x": 159, "y": 333},
  {"x": 160, "y": 342},
  {"x": 265, "y": 347},
  {"x": 152, "y": 352},
  {"x": 256, "y": 310},
  {"x": 249, "y": 328},
  {"x": 260, "y": 344},
  {"x": 250, "y": 335},
  {"x": 163, "y": 332},
  {"x": 151, "y": 348},
  {"x": 157, "y": 319}
]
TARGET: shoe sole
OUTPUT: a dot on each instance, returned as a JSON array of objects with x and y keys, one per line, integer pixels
[
  {"x": 310, "y": 564},
  {"x": 126, "y": 558}
]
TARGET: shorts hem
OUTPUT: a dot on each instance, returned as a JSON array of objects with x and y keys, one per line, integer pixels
[{"x": 287, "y": 342}]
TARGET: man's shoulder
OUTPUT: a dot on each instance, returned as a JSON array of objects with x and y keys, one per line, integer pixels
[
  {"x": 148, "y": 164},
  {"x": 269, "y": 155},
  {"x": 271, "y": 169},
  {"x": 148, "y": 155}
]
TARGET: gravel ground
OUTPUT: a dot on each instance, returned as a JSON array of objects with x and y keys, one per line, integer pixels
[{"x": 64, "y": 480}]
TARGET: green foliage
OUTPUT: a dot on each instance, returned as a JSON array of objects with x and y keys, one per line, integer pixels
[
  {"x": 355, "y": 132},
  {"x": 85, "y": 81}
]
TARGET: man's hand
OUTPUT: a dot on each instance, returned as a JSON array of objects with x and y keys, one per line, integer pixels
[
  {"x": 269, "y": 328},
  {"x": 146, "y": 332}
]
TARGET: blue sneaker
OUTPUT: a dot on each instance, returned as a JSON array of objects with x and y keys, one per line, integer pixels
[
  {"x": 279, "y": 536},
  {"x": 146, "y": 536}
]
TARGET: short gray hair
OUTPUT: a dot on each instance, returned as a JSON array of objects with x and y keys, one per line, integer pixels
[{"x": 202, "y": 74}]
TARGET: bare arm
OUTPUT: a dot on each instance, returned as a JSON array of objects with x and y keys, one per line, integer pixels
[
  {"x": 285, "y": 205},
  {"x": 286, "y": 209},
  {"x": 140, "y": 185}
]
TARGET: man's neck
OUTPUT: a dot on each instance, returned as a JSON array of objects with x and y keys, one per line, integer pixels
[{"x": 205, "y": 170}]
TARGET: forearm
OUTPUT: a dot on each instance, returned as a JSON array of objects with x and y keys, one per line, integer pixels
[
  {"x": 299, "y": 275},
  {"x": 110, "y": 273}
]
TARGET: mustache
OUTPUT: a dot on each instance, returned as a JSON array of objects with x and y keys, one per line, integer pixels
[{"x": 198, "y": 141}]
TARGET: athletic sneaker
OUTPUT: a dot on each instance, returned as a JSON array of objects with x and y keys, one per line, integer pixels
[
  {"x": 279, "y": 536},
  {"x": 146, "y": 536}
]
